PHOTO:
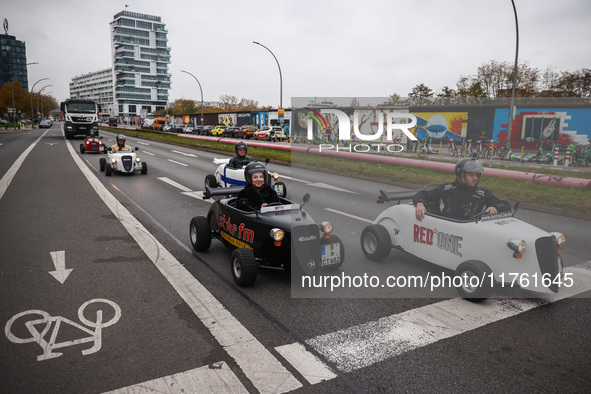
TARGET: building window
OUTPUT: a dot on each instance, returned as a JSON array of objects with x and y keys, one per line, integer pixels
[{"x": 132, "y": 108}]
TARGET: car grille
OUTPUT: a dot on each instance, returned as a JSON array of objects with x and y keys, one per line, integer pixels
[
  {"x": 94, "y": 145},
  {"x": 127, "y": 162},
  {"x": 548, "y": 260},
  {"x": 305, "y": 242}
]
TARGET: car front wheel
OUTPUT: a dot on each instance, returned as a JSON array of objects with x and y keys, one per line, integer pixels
[
  {"x": 102, "y": 163},
  {"x": 211, "y": 181},
  {"x": 200, "y": 234},
  {"x": 244, "y": 267},
  {"x": 144, "y": 169},
  {"x": 375, "y": 242},
  {"x": 82, "y": 149},
  {"x": 108, "y": 169},
  {"x": 475, "y": 285}
]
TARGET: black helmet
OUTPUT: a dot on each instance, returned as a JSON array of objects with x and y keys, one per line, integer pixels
[
  {"x": 469, "y": 165},
  {"x": 252, "y": 168},
  {"x": 120, "y": 137},
  {"x": 240, "y": 145}
]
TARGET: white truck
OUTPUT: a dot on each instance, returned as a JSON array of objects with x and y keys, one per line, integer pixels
[{"x": 81, "y": 117}]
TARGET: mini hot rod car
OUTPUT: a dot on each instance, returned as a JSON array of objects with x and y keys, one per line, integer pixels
[
  {"x": 485, "y": 251},
  {"x": 125, "y": 162},
  {"x": 266, "y": 238},
  {"x": 226, "y": 176},
  {"x": 93, "y": 145}
]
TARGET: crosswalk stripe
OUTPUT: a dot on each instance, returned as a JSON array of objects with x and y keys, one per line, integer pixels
[
  {"x": 213, "y": 378},
  {"x": 367, "y": 344}
]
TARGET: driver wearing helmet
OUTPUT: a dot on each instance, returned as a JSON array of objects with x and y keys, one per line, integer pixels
[
  {"x": 120, "y": 145},
  {"x": 240, "y": 160},
  {"x": 463, "y": 198},
  {"x": 91, "y": 136},
  {"x": 257, "y": 193}
]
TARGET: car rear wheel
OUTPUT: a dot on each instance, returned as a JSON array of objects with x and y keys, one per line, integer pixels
[
  {"x": 108, "y": 169},
  {"x": 211, "y": 181},
  {"x": 244, "y": 267},
  {"x": 144, "y": 169},
  {"x": 475, "y": 281},
  {"x": 102, "y": 163},
  {"x": 375, "y": 242},
  {"x": 200, "y": 233}
]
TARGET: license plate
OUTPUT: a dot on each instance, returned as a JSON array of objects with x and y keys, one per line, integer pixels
[
  {"x": 278, "y": 189},
  {"x": 330, "y": 254}
]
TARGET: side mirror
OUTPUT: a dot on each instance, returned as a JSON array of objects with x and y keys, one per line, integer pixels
[
  {"x": 109, "y": 149},
  {"x": 305, "y": 199},
  {"x": 267, "y": 161},
  {"x": 136, "y": 148},
  {"x": 516, "y": 207}
]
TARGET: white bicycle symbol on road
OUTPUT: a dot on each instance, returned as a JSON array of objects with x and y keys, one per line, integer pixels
[{"x": 47, "y": 322}]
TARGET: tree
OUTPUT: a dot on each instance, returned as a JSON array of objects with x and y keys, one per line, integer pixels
[{"x": 420, "y": 94}]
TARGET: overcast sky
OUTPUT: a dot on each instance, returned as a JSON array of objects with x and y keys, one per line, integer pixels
[{"x": 351, "y": 48}]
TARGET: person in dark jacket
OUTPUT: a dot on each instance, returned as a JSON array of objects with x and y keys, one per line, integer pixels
[
  {"x": 257, "y": 193},
  {"x": 240, "y": 160},
  {"x": 461, "y": 199}
]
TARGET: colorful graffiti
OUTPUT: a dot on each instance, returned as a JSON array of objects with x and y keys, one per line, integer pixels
[{"x": 441, "y": 125}]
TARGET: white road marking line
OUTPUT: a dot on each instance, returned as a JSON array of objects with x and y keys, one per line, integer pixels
[
  {"x": 9, "y": 175},
  {"x": 185, "y": 154},
  {"x": 198, "y": 195},
  {"x": 143, "y": 143},
  {"x": 173, "y": 183},
  {"x": 367, "y": 344},
  {"x": 176, "y": 162},
  {"x": 331, "y": 187},
  {"x": 208, "y": 379},
  {"x": 257, "y": 363},
  {"x": 311, "y": 368},
  {"x": 148, "y": 153},
  {"x": 349, "y": 215}
]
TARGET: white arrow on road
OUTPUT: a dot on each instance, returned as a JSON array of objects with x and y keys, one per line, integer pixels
[{"x": 59, "y": 261}]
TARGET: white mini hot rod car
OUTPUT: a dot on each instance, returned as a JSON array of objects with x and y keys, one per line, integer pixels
[
  {"x": 226, "y": 176},
  {"x": 486, "y": 252},
  {"x": 124, "y": 162}
]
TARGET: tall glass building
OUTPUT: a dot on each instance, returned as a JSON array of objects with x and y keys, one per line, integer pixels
[
  {"x": 13, "y": 61},
  {"x": 141, "y": 57}
]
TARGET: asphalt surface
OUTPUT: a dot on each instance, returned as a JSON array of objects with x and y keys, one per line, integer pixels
[{"x": 50, "y": 206}]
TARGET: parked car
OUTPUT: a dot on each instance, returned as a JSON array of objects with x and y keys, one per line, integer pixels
[
  {"x": 206, "y": 130},
  {"x": 247, "y": 131},
  {"x": 231, "y": 132},
  {"x": 218, "y": 130},
  {"x": 270, "y": 133},
  {"x": 198, "y": 129}
]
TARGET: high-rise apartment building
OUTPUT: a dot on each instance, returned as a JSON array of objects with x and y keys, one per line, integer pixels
[
  {"x": 96, "y": 86},
  {"x": 13, "y": 61},
  {"x": 141, "y": 57}
]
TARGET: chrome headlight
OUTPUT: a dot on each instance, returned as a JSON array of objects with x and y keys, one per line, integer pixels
[
  {"x": 326, "y": 227},
  {"x": 113, "y": 161},
  {"x": 137, "y": 159},
  {"x": 277, "y": 234},
  {"x": 275, "y": 176},
  {"x": 558, "y": 238},
  {"x": 516, "y": 245}
]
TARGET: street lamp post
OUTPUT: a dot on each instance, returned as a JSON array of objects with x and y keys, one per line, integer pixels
[
  {"x": 39, "y": 96},
  {"x": 42, "y": 79},
  {"x": 201, "y": 90},
  {"x": 46, "y": 94},
  {"x": 511, "y": 114},
  {"x": 280, "y": 76}
]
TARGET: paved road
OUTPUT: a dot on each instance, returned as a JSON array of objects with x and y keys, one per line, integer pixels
[{"x": 170, "y": 312}]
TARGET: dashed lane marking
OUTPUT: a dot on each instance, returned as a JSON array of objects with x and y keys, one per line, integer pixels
[{"x": 179, "y": 163}]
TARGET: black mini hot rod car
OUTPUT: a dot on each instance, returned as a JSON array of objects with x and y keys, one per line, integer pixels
[{"x": 279, "y": 235}]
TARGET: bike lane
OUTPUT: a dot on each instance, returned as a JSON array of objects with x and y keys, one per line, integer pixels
[{"x": 110, "y": 322}]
